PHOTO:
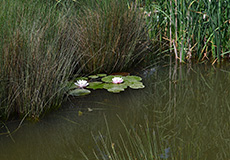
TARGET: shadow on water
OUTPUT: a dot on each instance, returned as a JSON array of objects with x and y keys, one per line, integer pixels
[{"x": 187, "y": 109}]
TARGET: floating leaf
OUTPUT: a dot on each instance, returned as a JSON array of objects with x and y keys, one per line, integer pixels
[
  {"x": 101, "y": 75},
  {"x": 110, "y": 77},
  {"x": 93, "y": 76},
  {"x": 136, "y": 85},
  {"x": 79, "y": 92},
  {"x": 115, "y": 88},
  {"x": 131, "y": 81},
  {"x": 107, "y": 78},
  {"x": 96, "y": 85},
  {"x": 132, "y": 78}
]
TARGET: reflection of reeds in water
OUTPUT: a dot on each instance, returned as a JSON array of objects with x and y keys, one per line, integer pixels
[
  {"x": 139, "y": 142},
  {"x": 191, "y": 124},
  {"x": 196, "y": 113}
]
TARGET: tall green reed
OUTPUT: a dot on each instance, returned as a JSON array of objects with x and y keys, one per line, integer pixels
[
  {"x": 36, "y": 57},
  {"x": 198, "y": 29}
]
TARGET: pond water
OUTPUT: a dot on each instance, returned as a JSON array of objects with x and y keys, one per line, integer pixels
[{"x": 182, "y": 113}]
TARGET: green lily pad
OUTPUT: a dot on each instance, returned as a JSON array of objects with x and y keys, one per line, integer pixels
[
  {"x": 115, "y": 88},
  {"x": 101, "y": 75},
  {"x": 79, "y": 92},
  {"x": 131, "y": 81},
  {"x": 136, "y": 85},
  {"x": 93, "y": 76},
  {"x": 96, "y": 85},
  {"x": 109, "y": 78},
  {"x": 132, "y": 78}
]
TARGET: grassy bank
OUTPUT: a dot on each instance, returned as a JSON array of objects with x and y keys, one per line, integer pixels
[{"x": 36, "y": 57}]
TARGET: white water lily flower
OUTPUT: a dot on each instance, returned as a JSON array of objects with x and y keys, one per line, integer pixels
[
  {"x": 81, "y": 83},
  {"x": 117, "y": 80}
]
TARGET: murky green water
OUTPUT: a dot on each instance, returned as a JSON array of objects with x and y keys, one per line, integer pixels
[{"x": 186, "y": 108}]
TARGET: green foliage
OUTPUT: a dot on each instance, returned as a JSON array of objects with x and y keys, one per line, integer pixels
[
  {"x": 132, "y": 78},
  {"x": 115, "y": 88},
  {"x": 198, "y": 29},
  {"x": 109, "y": 78},
  {"x": 101, "y": 75},
  {"x": 136, "y": 85},
  {"x": 129, "y": 81},
  {"x": 94, "y": 83}
]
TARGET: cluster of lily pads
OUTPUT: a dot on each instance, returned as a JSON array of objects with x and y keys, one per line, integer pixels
[{"x": 112, "y": 83}]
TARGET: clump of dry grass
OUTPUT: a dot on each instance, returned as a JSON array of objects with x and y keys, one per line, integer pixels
[{"x": 111, "y": 36}]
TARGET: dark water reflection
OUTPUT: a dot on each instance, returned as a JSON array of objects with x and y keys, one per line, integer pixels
[{"x": 187, "y": 107}]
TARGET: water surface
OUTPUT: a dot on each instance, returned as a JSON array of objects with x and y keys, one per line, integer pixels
[{"x": 187, "y": 109}]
